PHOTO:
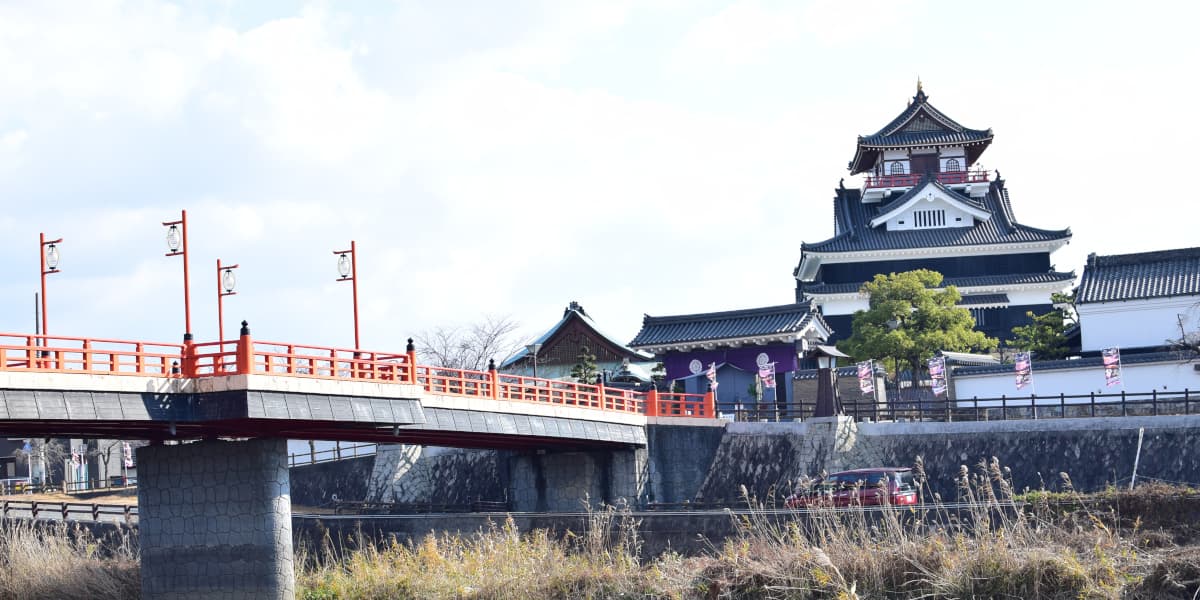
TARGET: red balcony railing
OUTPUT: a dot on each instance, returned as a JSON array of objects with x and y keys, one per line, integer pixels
[{"x": 909, "y": 180}]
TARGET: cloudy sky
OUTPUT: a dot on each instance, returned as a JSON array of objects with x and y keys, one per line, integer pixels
[{"x": 506, "y": 158}]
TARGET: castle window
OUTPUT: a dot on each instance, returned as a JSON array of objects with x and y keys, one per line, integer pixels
[
  {"x": 929, "y": 218},
  {"x": 953, "y": 165},
  {"x": 896, "y": 168}
]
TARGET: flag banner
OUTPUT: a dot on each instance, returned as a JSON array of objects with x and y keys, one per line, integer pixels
[
  {"x": 866, "y": 377},
  {"x": 1112, "y": 366},
  {"x": 1024, "y": 368},
  {"x": 128, "y": 452},
  {"x": 766, "y": 373},
  {"x": 937, "y": 373},
  {"x": 712, "y": 374}
]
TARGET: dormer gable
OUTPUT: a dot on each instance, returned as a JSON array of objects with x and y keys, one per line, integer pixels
[{"x": 929, "y": 206}]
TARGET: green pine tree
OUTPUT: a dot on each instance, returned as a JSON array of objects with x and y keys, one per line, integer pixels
[{"x": 584, "y": 370}]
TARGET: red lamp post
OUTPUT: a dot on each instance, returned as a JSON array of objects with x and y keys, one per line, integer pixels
[
  {"x": 226, "y": 282},
  {"x": 347, "y": 265},
  {"x": 177, "y": 244},
  {"x": 48, "y": 251}
]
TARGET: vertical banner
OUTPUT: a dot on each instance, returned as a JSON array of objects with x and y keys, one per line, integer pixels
[
  {"x": 1112, "y": 366},
  {"x": 937, "y": 373},
  {"x": 866, "y": 377},
  {"x": 128, "y": 452},
  {"x": 1024, "y": 369},
  {"x": 712, "y": 375},
  {"x": 766, "y": 373}
]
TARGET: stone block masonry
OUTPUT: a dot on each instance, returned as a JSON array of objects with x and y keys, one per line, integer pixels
[{"x": 215, "y": 521}]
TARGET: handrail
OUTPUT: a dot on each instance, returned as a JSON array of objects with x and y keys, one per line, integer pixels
[
  {"x": 911, "y": 179},
  {"x": 67, "y": 511},
  {"x": 246, "y": 356}
]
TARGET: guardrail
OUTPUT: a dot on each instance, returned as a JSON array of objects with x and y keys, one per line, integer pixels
[
  {"x": 246, "y": 356},
  {"x": 100, "y": 485},
  {"x": 338, "y": 452},
  {"x": 410, "y": 508},
  {"x": 67, "y": 511},
  {"x": 1058, "y": 406}
]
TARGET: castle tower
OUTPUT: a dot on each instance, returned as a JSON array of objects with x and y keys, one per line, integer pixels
[{"x": 924, "y": 204}]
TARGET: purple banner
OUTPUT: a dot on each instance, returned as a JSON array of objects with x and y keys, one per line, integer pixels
[
  {"x": 1024, "y": 369},
  {"x": 679, "y": 364},
  {"x": 1112, "y": 366}
]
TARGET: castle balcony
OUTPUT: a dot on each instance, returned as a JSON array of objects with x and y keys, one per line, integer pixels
[{"x": 877, "y": 187}]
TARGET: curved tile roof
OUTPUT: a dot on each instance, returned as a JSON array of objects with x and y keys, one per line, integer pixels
[
  {"x": 961, "y": 282},
  {"x": 753, "y": 322},
  {"x": 1160, "y": 274},
  {"x": 853, "y": 218}
]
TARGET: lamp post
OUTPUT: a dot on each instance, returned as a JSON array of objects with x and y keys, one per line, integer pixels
[
  {"x": 347, "y": 265},
  {"x": 50, "y": 256},
  {"x": 533, "y": 349},
  {"x": 177, "y": 243},
  {"x": 226, "y": 282},
  {"x": 827, "y": 402}
]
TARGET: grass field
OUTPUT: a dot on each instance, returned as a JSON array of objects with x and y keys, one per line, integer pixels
[{"x": 1113, "y": 545}]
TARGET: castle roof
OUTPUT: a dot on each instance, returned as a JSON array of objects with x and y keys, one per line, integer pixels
[
  {"x": 919, "y": 126},
  {"x": 1159, "y": 274},
  {"x": 853, "y": 222},
  {"x": 781, "y": 322}
]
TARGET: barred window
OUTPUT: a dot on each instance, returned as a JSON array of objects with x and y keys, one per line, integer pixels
[
  {"x": 929, "y": 218},
  {"x": 953, "y": 165},
  {"x": 896, "y": 168}
]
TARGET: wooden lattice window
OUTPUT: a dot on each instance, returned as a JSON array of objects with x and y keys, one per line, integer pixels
[
  {"x": 953, "y": 165},
  {"x": 896, "y": 168}
]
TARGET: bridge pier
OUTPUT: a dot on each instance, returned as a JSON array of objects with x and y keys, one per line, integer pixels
[
  {"x": 215, "y": 520},
  {"x": 563, "y": 481}
]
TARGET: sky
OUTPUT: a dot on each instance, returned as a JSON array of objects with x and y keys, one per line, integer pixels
[{"x": 506, "y": 158}]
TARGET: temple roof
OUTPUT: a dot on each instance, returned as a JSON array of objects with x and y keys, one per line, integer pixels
[
  {"x": 1143, "y": 275},
  {"x": 728, "y": 325},
  {"x": 920, "y": 125},
  {"x": 853, "y": 218},
  {"x": 574, "y": 311},
  {"x": 962, "y": 282}
]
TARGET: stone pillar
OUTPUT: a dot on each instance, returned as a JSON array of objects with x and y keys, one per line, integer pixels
[
  {"x": 215, "y": 520},
  {"x": 570, "y": 481}
]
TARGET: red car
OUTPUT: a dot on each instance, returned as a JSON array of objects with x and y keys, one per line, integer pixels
[{"x": 860, "y": 487}]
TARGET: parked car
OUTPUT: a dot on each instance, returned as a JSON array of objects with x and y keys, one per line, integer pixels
[{"x": 860, "y": 487}]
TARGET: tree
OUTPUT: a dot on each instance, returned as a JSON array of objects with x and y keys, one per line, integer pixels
[
  {"x": 584, "y": 370},
  {"x": 908, "y": 319},
  {"x": 469, "y": 347},
  {"x": 1044, "y": 335}
]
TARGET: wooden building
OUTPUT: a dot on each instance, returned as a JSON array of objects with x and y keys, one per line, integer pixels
[{"x": 559, "y": 349}]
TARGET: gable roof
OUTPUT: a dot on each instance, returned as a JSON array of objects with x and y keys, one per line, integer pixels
[
  {"x": 966, "y": 204},
  {"x": 1159, "y": 274},
  {"x": 771, "y": 321},
  {"x": 575, "y": 312},
  {"x": 853, "y": 222},
  {"x": 920, "y": 125}
]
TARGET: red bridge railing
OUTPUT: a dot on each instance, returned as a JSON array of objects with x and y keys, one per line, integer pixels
[
  {"x": 245, "y": 356},
  {"x": 910, "y": 179}
]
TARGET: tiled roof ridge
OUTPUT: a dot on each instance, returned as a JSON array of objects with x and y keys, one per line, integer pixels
[
  {"x": 919, "y": 101},
  {"x": 1137, "y": 258},
  {"x": 729, "y": 314}
]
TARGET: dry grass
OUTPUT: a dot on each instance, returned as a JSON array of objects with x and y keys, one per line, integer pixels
[
  {"x": 989, "y": 549},
  {"x": 55, "y": 561}
]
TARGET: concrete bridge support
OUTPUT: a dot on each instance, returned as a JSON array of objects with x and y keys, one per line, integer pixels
[
  {"x": 569, "y": 481},
  {"x": 215, "y": 520}
]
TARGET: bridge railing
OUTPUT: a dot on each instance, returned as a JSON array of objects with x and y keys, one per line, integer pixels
[
  {"x": 50, "y": 354},
  {"x": 39, "y": 353}
]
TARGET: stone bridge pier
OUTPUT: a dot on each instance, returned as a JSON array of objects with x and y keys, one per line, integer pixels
[
  {"x": 215, "y": 520},
  {"x": 563, "y": 481}
]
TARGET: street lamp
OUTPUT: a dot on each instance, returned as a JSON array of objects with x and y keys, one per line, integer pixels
[
  {"x": 347, "y": 266},
  {"x": 827, "y": 402},
  {"x": 226, "y": 282},
  {"x": 49, "y": 256},
  {"x": 177, "y": 243},
  {"x": 533, "y": 349}
]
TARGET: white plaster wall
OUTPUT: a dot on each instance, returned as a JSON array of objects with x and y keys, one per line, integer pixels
[
  {"x": 895, "y": 155},
  {"x": 843, "y": 306},
  {"x": 1136, "y": 323},
  {"x": 930, "y": 203},
  {"x": 1168, "y": 376}
]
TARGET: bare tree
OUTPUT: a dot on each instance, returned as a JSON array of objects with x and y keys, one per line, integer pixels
[
  {"x": 469, "y": 346},
  {"x": 1189, "y": 341}
]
